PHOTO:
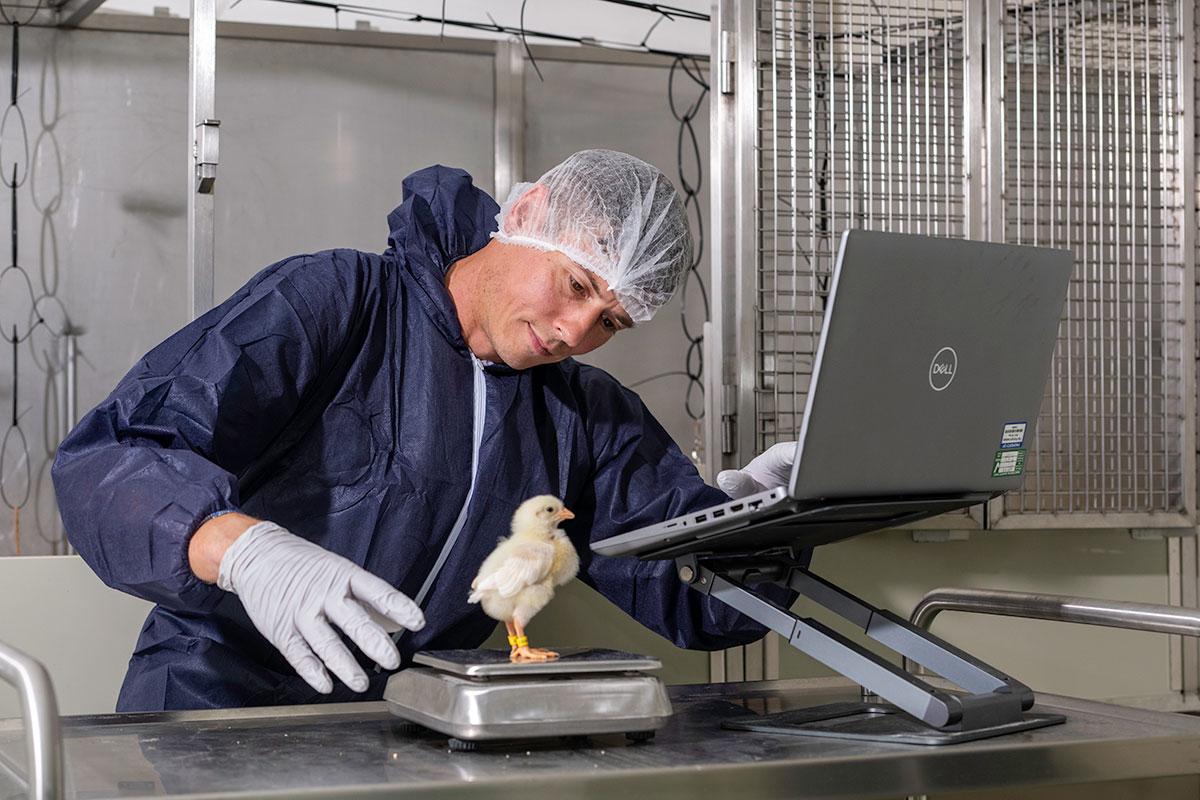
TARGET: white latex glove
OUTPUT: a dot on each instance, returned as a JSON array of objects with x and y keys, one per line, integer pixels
[
  {"x": 772, "y": 468},
  {"x": 293, "y": 589}
]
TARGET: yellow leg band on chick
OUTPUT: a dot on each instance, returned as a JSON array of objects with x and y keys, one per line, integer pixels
[
  {"x": 512, "y": 641},
  {"x": 522, "y": 641}
]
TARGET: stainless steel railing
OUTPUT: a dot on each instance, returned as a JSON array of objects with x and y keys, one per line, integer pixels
[
  {"x": 1081, "y": 610},
  {"x": 43, "y": 737}
]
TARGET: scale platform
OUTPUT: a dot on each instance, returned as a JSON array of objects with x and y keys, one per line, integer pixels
[{"x": 480, "y": 695}]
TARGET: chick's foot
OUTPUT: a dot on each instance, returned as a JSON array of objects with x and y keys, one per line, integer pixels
[{"x": 527, "y": 653}]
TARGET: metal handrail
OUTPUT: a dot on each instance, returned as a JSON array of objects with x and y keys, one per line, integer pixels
[
  {"x": 1081, "y": 610},
  {"x": 43, "y": 737}
]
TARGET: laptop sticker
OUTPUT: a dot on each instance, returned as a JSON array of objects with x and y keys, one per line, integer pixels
[
  {"x": 1013, "y": 436},
  {"x": 1008, "y": 463}
]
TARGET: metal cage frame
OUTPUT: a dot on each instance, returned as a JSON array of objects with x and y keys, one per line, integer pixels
[
  {"x": 994, "y": 97},
  {"x": 756, "y": 351}
]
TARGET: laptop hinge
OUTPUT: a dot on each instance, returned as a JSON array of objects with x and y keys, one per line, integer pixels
[{"x": 728, "y": 418}]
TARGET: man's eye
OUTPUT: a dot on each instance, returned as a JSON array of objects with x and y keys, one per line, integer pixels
[
  {"x": 608, "y": 324},
  {"x": 576, "y": 286}
]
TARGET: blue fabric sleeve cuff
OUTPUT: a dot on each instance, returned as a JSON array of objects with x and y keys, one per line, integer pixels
[{"x": 214, "y": 515}]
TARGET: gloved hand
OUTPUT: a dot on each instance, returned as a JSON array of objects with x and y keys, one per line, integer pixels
[
  {"x": 293, "y": 589},
  {"x": 772, "y": 468}
]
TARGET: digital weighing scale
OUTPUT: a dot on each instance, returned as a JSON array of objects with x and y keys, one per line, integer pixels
[{"x": 477, "y": 696}]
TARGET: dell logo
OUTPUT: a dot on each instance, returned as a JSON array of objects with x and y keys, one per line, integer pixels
[{"x": 942, "y": 368}]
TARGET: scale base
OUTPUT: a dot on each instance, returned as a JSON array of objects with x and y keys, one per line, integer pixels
[
  {"x": 877, "y": 722},
  {"x": 479, "y": 695}
]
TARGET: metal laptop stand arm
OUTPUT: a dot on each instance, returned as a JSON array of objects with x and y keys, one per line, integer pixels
[{"x": 994, "y": 699}]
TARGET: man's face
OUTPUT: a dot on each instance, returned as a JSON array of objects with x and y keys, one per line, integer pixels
[{"x": 541, "y": 307}]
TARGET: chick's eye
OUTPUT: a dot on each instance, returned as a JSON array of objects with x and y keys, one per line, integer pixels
[{"x": 550, "y": 509}]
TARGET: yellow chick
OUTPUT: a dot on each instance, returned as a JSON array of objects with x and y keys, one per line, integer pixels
[{"x": 518, "y": 579}]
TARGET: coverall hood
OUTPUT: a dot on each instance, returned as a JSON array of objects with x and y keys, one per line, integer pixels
[{"x": 439, "y": 221}]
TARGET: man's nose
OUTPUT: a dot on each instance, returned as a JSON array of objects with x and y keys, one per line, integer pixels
[{"x": 573, "y": 327}]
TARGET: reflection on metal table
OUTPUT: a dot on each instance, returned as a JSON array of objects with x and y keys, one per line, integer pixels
[{"x": 358, "y": 750}]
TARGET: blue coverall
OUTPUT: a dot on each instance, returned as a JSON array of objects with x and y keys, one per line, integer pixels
[{"x": 334, "y": 395}]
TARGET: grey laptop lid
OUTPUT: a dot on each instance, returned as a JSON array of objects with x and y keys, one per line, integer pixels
[{"x": 929, "y": 376}]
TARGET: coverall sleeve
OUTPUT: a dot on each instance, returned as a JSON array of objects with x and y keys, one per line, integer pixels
[
  {"x": 140, "y": 473},
  {"x": 641, "y": 477}
]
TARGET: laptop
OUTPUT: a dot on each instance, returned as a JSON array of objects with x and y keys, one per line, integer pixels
[{"x": 928, "y": 378}]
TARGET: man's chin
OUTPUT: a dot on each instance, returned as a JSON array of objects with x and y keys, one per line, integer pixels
[{"x": 527, "y": 360}]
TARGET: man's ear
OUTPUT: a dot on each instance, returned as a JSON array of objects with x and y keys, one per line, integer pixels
[{"x": 530, "y": 209}]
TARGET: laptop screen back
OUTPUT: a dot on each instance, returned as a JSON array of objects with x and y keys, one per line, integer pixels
[{"x": 931, "y": 367}]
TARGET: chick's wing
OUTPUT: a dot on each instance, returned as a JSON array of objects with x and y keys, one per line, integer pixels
[{"x": 523, "y": 564}]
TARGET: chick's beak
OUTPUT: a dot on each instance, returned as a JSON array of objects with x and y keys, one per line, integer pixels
[{"x": 564, "y": 514}]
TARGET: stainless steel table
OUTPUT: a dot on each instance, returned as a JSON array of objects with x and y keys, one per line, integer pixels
[{"x": 358, "y": 750}]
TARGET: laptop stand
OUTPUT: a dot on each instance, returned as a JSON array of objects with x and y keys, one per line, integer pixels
[{"x": 994, "y": 703}]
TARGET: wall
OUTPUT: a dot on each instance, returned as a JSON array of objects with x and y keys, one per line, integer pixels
[
  {"x": 315, "y": 141},
  {"x": 82, "y": 631},
  {"x": 573, "y": 110}
]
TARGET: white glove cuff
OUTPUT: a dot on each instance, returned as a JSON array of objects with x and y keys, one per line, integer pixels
[{"x": 243, "y": 549}]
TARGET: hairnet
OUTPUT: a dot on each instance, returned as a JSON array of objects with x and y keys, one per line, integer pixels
[{"x": 613, "y": 214}]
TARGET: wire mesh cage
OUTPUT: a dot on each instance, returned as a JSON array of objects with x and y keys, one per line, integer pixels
[
  {"x": 862, "y": 121},
  {"x": 860, "y": 125},
  {"x": 1091, "y": 164}
]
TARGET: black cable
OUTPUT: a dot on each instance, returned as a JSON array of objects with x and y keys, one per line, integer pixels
[
  {"x": 16, "y": 61},
  {"x": 32, "y": 12},
  {"x": 694, "y": 357},
  {"x": 825, "y": 221},
  {"x": 13, "y": 235},
  {"x": 20, "y": 445},
  {"x": 670, "y": 12},
  {"x": 529, "y": 52},
  {"x": 15, "y": 340},
  {"x": 490, "y": 27},
  {"x": 656, "y": 377},
  {"x": 657, "y": 22}
]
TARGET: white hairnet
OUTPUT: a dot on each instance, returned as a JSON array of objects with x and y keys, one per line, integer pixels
[{"x": 613, "y": 214}]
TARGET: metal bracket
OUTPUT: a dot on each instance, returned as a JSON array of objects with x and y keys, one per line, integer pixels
[
  {"x": 993, "y": 698},
  {"x": 509, "y": 116},
  {"x": 726, "y": 66},
  {"x": 206, "y": 150},
  {"x": 729, "y": 404}
]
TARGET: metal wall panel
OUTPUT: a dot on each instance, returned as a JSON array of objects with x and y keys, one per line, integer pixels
[
  {"x": 317, "y": 136},
  {"x": 567, "y": 112},
  {"x": 316, "y": 140}
]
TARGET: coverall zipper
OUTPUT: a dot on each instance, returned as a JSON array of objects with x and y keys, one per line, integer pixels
[
  {"x": 479, "y": 400},
  {"x": 479, "y": 393}
]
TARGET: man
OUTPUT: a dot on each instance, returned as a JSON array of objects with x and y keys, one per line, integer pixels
[{"x": 338, "y": 445}]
